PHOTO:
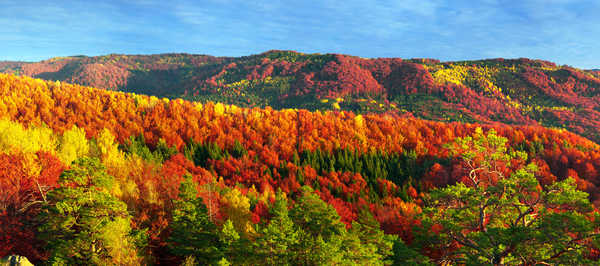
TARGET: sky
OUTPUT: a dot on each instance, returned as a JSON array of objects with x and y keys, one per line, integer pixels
[{"x": 566, "y": 32}]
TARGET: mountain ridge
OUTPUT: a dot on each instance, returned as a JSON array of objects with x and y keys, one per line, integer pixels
[{"x": 512, "y": 91}]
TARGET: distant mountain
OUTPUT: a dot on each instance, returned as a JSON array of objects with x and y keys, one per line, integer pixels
[{"x": 511, "y": 91}]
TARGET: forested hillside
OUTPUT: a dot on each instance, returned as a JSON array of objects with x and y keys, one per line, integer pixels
[
  {"x": 104, "y": 177},
  {"x": 516, "y": 91}
]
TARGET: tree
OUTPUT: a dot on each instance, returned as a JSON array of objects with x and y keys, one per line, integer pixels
[
  {"x": 498, "y": 218},
  {"x": 405, "y": 255},
  {"x": 235, "y": 248},
  {"x": 84, "y": 224},
  {"x": 280, "y": 237},
  {"x": 193, "y": 233},
  {"x": 322, "y": 231},
  {"x": 236, "y": 207},
  {"x": 324, "y": 239},
  {"x": 73, "y": 145},
  {"x": 372, "y": 246}
]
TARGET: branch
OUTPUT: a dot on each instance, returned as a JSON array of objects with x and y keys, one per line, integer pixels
[
  {"x": 41, "y": 191},
  {"x": 569, "y": 247},
  {"x": 29, "y": 204},
  {"x": 469, "y": 244}
]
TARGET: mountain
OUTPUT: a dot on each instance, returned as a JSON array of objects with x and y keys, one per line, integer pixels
[
  {"x": 510, "y": 91},
  {"x": 167, "y": 172}
]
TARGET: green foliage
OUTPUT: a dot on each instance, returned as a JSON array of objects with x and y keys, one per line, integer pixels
[
  {"x": 400, "y": 168},
  {"x": 193, "y": 233},
  {"x": 507, "y": 220},
  {"x": 322, "y": 231},
  {"x": 531, "y": 147},
  {"x": 324, "y": 239},
  {"x": 163, "y": 151},
  {"x": 315, "y": 216},
  {"x": 137, "y": 145},
  {"x": 84, "y": 224},
  {"x": 405, "y": 255},
  {"x": 238, "y": 150},
  {"x": 199, "y": 153},
  {"x": 235, "y": 249},
  {"x": 311, "y": 234},
  {"x": 369, "y": 245},
  {"x": 279, "y": 239}
]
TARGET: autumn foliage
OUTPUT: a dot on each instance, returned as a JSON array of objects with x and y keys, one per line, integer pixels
[{"x": 240, "y": 157}]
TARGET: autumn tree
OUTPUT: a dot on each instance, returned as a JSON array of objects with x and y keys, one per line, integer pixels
[
  {"x": 496, "y": 217},
  {"x": 73, "y": 144}
]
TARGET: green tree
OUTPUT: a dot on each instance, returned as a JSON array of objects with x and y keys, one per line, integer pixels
[
  {"x": 137, "y": 145},
  {"x": 193, "y": 233},
  {"x": 368, "y": 244},
  {"x": 238, "y": 150},
  {"x": 405, "y": 255},
  {"x": 322, "y": 231},
  {"x": 498, "y": 218},
  {"x": 279, "y": 239},
  {"x": 237, "y": 249},
  {"x": 324, "y": 240},
  {"x": 84, "y": 224}
]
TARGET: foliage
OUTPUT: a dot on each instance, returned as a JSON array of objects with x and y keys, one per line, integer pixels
[
  {"x": 193, "y": 233},
  {"x": 279, "y": 239},
  {"x": 73, "y": 145},
  {"x": 514, "y": 91},
  {"x": 498, "y": 219},
  {"x": 325, "y": 240},
  {"x": 84, "y": 223},
  {"x": 335, "y": 168}
]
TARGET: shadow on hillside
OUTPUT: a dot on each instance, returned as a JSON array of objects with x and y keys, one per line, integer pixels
[{"x": 168, "y": 82}]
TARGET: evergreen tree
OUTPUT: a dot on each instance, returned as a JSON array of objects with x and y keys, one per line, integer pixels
[
  {"x": 405, "y": 255},
  {"x": 322, "y": 231},
  {"x": 84, "y": 224},
  {"x": 235, "y": 248},
  {"x": 374, "y": 247},
  {"x": 279, "y": 240},
  {"x": 500, "y": 220},
  {"x": 193, "y": 233},
  {"x": 238, "y": 150}
]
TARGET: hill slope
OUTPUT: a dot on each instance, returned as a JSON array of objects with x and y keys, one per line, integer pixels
[
  {"x": 521, "y": 91},
  {"x": 239, "y": 158}
]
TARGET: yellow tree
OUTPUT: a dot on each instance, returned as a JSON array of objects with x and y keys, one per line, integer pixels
[
  {"x": 73, "y": 145},
  {"x": 237, "y": 208}
]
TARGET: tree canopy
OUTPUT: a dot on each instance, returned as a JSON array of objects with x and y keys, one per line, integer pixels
[{"x": 497, "y": 218}]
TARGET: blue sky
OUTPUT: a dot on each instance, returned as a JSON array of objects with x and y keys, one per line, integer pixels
[{"x": 562, "y": 31}]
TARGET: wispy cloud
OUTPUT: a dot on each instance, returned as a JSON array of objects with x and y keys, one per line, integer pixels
[{"x": 564, "y": 31}]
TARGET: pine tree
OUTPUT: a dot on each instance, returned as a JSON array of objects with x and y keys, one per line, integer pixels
[
  {"x": 498, "y": 218},
  {"x": 375, "y": 246},
  {"x": 322, "y": 231},
  {"x": 279, "y": 240},
  {"x": 193, "y": 233},
  {"x": 84, "y": 224}
]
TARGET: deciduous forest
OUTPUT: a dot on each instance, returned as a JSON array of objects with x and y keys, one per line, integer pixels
[
  {"x": 94, "y": 176},
  {"x": 512, "y": 91}
]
